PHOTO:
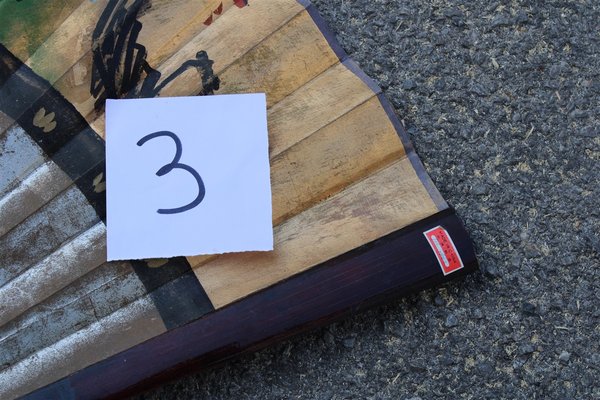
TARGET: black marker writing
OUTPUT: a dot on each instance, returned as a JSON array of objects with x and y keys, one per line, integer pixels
[{"x": 176, "y": 164}]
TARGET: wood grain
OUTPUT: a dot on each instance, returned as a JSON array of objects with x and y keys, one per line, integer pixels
[
  {"x": 5, "y": 122},
  {"x": 228, "y": 39},
  {"x": 68, "y": 44},
  {"x": 26, "y": 25},
  {"x": 121, "y": 330},
  {"x": 63, "y": 218},
  {"x": 75, "y": 258},
  {"x": 35, "y": 190},
  {"x": 381, "y": 203},
  {"x": 301, "y": 176},
  {"x": 281, "y": 63},
  {"x": 166, "y": 26},
  {"x": 317, "y": 103},
  {"x": 19, "y": 156}
]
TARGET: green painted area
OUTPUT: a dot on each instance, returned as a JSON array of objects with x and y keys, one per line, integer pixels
[{"x": 25, "y": 24}]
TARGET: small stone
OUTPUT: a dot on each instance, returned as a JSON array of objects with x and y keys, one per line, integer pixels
[
  {"x": 327, "y": 395},
  {"x": 451, "y": 321},
  {"x": 418, "y": 365},
  {"x": 578, "y": 114},
  {"x": 491, "y": 271},
  {"x": 329, "y": 339},
  {"x": 500, "y": 20},
  {"x": 409, "y": 84},
  {"x": 388, "y": 326},
  {"x": 526, "y": 349},
  {"x": 519, "y": 362},
  {"x": 528, "y": 308},
  {"x": 531, "y": 251},
  {"x": 438, "y": 300},
  {"x": 589, "y": 131},
  {"x": 477, "y": 314},
  {"x": 479, "y": 189},
  {"x": 515, "y": 260},
  {"x": 521, "y": 17},
  {"x": 485, "y": 368},
  {"x": 564, "y": 357},
  {"x": 479, "y": 58},
  {"x": 453, "y": 12},
  {"x": 479, "y": 89},
  {"x": 447, "y": 360},
  {"x": 349, "y": 342}
]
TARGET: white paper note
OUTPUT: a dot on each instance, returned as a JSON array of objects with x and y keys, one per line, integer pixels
[{"x": 187, "y": 176}]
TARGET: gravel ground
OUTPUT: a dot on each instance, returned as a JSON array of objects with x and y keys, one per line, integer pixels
[{"x": 502, "y": 101}]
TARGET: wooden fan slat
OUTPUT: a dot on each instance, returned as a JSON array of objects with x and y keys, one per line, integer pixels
[
  {"x": 281, "y": 63},
  {"x": 228, "y": 39},
  {"x": 5, "y": 122},
  {"x": 121, "y": 330},
  {"x": 71, "y": 261},
  {"x": 159, "y": 53},
  {"x": 19, "y": 156},
  {"x": 61, "y": 219},
  {"x": 66, "y": 55},
  {"x": 325, "y": 99},
  {"x": 67, "y": 313},
  {"x": 161, "y": 32},
  {"x": 71, "y": 295},
  {"x": 26, "y": 25},
  {"x": 215, "y": 38},
  {"x": 320, "y": 101},
  {"x": 64, "y": 58},
  {"x": 175, "y": 23},
  {"x": 280, "y": 12},
  {"x": 379, "y": 204},
  {"x": 95, "y": 296},
  {"x": 68, "y": 44},
  {"x": 302, "y": 177},
  {"x": 76, "y": 306},
  {"x": 38, "y": 188}
]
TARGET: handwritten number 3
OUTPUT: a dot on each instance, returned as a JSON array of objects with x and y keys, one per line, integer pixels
[{"x": 176, "y": 164}]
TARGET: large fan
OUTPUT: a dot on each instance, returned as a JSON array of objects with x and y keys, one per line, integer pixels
[{"x": 356, "y": 217}]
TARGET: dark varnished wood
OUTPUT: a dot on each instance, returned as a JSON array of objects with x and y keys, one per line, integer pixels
[{"x": 397, "y": 264}]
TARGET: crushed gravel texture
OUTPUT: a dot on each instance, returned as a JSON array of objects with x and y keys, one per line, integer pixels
[{"x": 502, "y": 102}]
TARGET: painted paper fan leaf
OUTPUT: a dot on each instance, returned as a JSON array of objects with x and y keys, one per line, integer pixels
[{"x": 356, "y": 218}]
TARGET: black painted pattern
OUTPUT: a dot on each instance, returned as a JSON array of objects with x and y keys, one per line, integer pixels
[
  {"x": 68, "y": 140},
  {"x": 120, "y": 68}
]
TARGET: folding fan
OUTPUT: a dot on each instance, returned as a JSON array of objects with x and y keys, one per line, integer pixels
[{"x": 356, "y": 218}]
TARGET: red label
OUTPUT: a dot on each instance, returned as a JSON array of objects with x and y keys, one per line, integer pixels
[{"x": 444, "y": 249}]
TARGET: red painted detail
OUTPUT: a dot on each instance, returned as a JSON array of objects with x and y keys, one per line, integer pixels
[
  {"x": 444, "y": 249},
  {"x": 208, "y": 20},
  {"x": 219, "y": 9},
  {"x": 240, "y": 3}
]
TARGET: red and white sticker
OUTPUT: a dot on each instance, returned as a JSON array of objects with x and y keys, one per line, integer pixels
[{"x": 444, "y": 249}]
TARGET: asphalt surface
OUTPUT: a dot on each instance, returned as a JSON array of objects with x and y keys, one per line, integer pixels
[{"x": 502, "y": 102}]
